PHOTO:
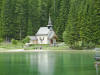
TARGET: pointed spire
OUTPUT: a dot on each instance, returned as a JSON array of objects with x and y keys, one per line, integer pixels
[{"x": 49, "y": 22}]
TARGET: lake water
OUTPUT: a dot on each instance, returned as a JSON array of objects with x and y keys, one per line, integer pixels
[{"x": 48, "y": 63}]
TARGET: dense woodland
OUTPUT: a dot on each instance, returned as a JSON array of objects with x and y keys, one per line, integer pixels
[{"x": 77, "y": 22}]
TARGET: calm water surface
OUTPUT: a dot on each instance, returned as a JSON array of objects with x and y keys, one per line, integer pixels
[{"x": 48, "y": 63}]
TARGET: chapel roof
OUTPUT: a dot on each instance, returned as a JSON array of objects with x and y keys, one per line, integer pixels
[{"x": 43, "y": 31}]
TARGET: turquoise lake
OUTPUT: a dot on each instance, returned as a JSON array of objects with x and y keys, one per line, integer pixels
[{"x": 48, "y": 63}]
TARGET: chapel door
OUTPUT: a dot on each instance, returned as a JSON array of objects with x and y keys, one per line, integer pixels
[{"x": 51, "y": 41}]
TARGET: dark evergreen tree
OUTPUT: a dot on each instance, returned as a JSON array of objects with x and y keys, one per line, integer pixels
[
  {"x": 96, "y": 21},
  {"x": 62, "y": 18},
  {"x": 1, "y": 27},
  {"x": 8, "y": 19},
  {"x": 44, "y": 13},
  {"x": 21, "y": 18},
  {"x": 33, "y": 17}
]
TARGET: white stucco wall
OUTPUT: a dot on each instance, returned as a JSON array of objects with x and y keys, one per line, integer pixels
[{"x": 45, "y": 41}]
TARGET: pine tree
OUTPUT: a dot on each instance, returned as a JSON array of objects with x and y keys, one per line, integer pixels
[
  {"x": 1, "y": 19},
  {"x": 21, "y": 18},
  {"x": 33, "y": 17},
  {"x": 71, "y": 34},
  {"x": 8, "y": 19},
  {"x": 44, "y": 13},
  {"x": 62, "y": 19},
  {"x": 96, "y": 21}
]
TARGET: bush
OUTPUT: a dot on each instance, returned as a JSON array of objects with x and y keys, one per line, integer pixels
[
  {"x": 1, "y": 40},
  {"x": 14, "y": 42},
  {"x": 98, "y": 42},
  {"x": 91, "y": 45},
  {"x": 76, "y": 47},
  {"x": 26, "y": 40}
]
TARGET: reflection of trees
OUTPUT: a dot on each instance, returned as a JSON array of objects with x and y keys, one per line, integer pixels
[{"x": 74, "y": 64}]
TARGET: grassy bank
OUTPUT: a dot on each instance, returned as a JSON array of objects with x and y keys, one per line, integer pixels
[
  {"x": 20, "y": 45},
  {"x": 10, "y": 46},
  {"x": 47, "y": 47}
]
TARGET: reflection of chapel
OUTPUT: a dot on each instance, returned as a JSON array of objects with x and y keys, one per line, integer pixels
[{"x": 45, "y": 35}]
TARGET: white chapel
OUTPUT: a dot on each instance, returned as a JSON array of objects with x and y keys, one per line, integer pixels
[{"x": 45, "y": 35}]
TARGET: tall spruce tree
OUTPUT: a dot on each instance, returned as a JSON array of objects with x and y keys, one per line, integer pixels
[
  {"x": 96, "y": 21},
  {"x": 1, "y": 27},
  {"x": 8, "y": 19},
  {"x": 21, "y": 18},
  {"x": 33, "y": 16},
  {"x": 71, "y": 34},
  {"x": 62, "y": 19},
  {"x": 44, "y": 13}
]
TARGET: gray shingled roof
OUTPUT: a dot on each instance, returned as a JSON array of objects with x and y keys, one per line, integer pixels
[
  {"x": 51, "y": 34},
  {"x": 43, "y": 31}
]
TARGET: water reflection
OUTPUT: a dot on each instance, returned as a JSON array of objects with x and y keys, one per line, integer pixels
[{"x": 45, "y": 64}]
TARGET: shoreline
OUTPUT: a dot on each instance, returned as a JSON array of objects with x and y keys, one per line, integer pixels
[{"x": 22, "y": 50}]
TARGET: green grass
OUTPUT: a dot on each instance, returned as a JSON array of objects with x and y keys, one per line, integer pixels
[
  {"x": 10, "y": 46},
  {"x": 19, "y": 45},
  {"x": 56, "y": 48},
  {"x": 47, "y": 47}
]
